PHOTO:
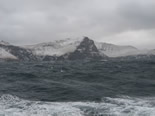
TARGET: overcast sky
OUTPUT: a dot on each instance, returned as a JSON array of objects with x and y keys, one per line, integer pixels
[{"x": 123, "y": 22}]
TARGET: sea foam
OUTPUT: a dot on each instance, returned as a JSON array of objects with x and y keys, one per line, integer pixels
[{"x": 121, "y": 106}]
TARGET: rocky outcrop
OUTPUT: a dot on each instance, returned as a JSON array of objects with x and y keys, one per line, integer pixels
[{"x": 86, "y": 50}]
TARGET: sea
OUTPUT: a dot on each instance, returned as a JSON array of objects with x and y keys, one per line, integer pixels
[{"x": 78, "y": 88}]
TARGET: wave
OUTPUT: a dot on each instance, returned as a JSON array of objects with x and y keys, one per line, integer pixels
[{"x": 121, "y": 106}]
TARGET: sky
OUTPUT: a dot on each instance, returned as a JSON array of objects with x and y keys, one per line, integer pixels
[{"x": 121, "y": 22}]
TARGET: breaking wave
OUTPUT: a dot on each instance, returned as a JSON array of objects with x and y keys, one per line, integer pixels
[{"x": 121, "y": 106}]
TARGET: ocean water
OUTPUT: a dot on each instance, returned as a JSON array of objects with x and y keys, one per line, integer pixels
[{"x": 78, "y": 88}]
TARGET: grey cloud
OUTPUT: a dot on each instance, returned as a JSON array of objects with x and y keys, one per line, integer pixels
[
  {"x": 138, "y": 14},
  {"x": 33, "y": 21}
]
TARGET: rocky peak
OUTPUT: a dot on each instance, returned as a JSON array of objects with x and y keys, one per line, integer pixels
[
  {"x": 87, "y": 45},
  {"x": 86, "y": 50}
]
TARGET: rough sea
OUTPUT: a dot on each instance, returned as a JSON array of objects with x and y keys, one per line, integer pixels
[{"x": 78, "y": 88}]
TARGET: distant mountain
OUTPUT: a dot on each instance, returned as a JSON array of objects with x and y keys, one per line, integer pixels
[
  {"x": 55, "y": 48},
  {"x": 112, "y": 50},
  {"x": 6, "y": 55},
  {"x": 8, "y": 51},
  {"x": 85, "y": 50},
  {"x": 70, "y": 49}
]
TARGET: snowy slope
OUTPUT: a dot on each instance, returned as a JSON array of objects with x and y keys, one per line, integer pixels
[
  {"x": 61, "y": 47},
  {"x": 112, "y": 50},
  {"x": 58, "y": 48},
  {"x": 6, "y": 55},
  {"x": 8, "y": 51},
  {"x": 55, "y": 48}
]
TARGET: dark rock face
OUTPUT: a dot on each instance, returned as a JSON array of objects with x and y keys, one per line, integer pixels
[
  {"x": 86, "y": 50},
  {"x": 49, "y": 58},
  {"x": 20, "y": 53}
]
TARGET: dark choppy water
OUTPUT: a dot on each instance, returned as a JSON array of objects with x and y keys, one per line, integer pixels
[{"x": 81, "y": 88}]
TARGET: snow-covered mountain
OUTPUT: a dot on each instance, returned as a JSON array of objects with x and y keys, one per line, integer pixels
[
  {"x": 8, "y": 51},
  {"x": 66, "y": 49},
  {"x": 61, "y": 47},
  {"x": 85, "y": 50},
  {"x": 55, "y": 48},
  {"x": 112, "y": 50},
  {"x": 6, "y": 55},
  {"x": 72, "y": 49}
]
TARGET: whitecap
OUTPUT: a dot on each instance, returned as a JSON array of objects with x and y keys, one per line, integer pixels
[{"x": 121, "y": 106}]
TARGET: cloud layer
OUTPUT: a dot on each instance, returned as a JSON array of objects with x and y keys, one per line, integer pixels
[{"x": 121, "y": 22}]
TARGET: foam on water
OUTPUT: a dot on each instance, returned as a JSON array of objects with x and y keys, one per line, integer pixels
[{"x": 123, "y": 106}]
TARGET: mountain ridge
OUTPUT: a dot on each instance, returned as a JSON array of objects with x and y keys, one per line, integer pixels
[{"x": 69, "y": 49}]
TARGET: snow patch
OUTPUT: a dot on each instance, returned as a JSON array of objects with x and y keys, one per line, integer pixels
[
  {"x": 6, "y": 55},
  {"x": 55, "y": 48},
  {"x": 112, "y": 50}
]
